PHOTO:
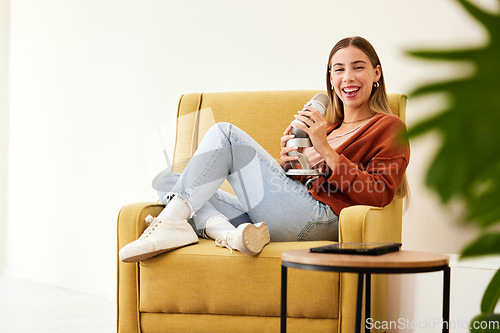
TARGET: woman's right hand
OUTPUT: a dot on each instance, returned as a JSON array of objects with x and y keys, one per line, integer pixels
[{"x": 285, "y": 159}]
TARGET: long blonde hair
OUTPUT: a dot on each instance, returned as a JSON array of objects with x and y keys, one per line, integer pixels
[{"x": 378, "y": 101}]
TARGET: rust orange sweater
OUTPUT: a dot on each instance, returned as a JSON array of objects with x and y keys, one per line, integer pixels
[{"x": 371, "y": 166}]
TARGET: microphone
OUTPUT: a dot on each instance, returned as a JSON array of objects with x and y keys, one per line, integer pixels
[{"x": 320, "y": 102}]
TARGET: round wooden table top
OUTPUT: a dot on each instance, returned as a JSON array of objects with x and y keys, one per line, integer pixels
[{"x": 399, "y": 259}]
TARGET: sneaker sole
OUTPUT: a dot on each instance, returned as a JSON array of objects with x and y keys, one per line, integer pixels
[
  {"x": 255, "y": 237},
  {"x": 145, "y": 256}
]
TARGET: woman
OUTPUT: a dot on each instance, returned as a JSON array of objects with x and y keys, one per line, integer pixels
[{"x": 357, "y": 146}]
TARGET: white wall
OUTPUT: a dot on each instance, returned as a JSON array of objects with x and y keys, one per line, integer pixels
[
  {"x": 419, "y": 303},
  {"x": 4, "y": 121},
  {"x": 90, "y": 79}
]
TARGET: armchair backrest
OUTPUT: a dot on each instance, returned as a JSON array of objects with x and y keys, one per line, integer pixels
[{"x": 262, "y": 114}]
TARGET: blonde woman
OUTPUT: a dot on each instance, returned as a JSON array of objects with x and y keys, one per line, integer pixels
[{"x": 357, "y": 146}]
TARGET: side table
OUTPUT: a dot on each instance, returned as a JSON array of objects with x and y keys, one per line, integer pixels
[{"x": 401, "y": 262}]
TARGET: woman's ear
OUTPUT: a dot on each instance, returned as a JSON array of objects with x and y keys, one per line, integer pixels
[{"x": 378, "y": 73}]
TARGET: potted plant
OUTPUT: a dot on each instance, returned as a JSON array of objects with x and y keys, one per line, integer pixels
[{"x": 467, "y": 165}]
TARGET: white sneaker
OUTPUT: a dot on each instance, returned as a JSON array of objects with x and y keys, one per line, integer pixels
[
  {"x": 248, "y": 238},
  {"x": 159, "y": 237}
]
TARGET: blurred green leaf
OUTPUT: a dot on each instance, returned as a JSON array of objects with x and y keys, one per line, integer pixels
[
  {"x": 426, "y": 125},
  {"x": 444, "y": 55},
  {"x": 484, "y": 205},
  {"x": 445, "y": 86},
  {"x": 467, "y": 163},
  {"x": 490, "y": 21},
  {"x": 491, "y": 294},
  {"x": 486, "y": 243}
]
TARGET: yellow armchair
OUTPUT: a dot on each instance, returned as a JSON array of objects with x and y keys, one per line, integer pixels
[{"x": 203, "y": 288}]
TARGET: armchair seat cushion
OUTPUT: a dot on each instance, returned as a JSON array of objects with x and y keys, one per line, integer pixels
[{"x": 206, "y": 279}]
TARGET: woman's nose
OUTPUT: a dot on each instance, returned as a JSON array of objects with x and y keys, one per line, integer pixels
[{"x": 348, "y": 76}]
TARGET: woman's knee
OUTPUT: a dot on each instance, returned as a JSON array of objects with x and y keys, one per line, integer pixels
[
  {"x": 219, "y": 130},
  {"x": 223, "y": 127},
  {"x": 167, "y": 182}
]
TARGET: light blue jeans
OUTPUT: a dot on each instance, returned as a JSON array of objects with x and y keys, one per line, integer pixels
[{"x": 263, "y": 191}]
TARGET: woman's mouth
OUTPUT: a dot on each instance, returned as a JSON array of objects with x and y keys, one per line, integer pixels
[{"x": 350, "y": 91}]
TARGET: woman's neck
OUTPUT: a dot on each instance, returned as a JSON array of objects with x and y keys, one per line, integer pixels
[{"x": 357, "y": 115}]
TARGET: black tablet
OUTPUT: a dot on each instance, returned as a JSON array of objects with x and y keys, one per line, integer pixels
[{"x": 357, "y": 248}]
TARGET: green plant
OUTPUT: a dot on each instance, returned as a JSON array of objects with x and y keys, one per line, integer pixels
[{"x": 467, "y": 165}]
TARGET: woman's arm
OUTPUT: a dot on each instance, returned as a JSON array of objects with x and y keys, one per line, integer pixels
[
  {"x": 370, "y": 171},
  {"x": 374, "y": 186}
]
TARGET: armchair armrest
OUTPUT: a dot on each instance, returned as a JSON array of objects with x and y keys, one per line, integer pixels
[
  {"x": 131, "y": 224},
  {"x": 367, "y": 224}
]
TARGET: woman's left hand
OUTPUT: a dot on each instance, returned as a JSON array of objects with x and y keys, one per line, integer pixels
[{"x": 316, "y": 129}]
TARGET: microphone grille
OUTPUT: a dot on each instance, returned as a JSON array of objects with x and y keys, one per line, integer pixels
[{"x": 322, "y": 99}]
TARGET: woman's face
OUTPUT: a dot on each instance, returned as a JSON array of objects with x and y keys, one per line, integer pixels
[{"x": 352, "y": 76}]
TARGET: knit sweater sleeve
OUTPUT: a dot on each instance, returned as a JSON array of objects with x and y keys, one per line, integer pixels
[{"x": 373, "y": 173}]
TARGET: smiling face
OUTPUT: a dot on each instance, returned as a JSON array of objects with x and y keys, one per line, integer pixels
[{"x": 352, "y": 76}]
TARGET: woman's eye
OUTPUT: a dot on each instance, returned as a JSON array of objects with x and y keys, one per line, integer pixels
[
  {"x": 339, "y": 70},
  {"x": 359, "y": 67}
]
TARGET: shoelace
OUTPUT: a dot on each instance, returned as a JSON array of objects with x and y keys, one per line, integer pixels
[
  {"x": 152, "y": 223},
  {"x": 226, "y": 242}
]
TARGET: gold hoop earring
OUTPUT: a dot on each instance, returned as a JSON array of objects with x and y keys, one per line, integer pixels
[{"x": 376, "y": 84}]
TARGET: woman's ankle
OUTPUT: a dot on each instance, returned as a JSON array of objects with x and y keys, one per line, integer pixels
[
  {"x": 217, "y": 227},
  {"x": 176, "y": 210}
]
